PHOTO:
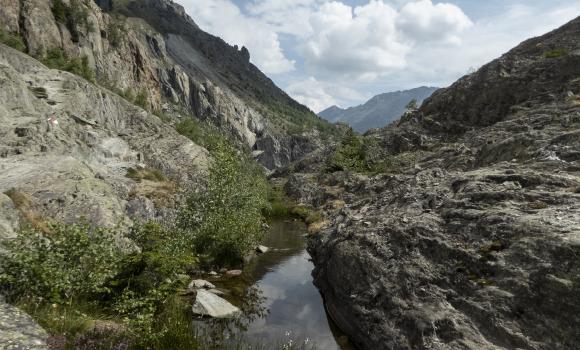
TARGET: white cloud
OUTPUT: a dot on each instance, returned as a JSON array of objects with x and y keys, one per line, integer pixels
[
  {"x": 311, "y": 93},
  {"x": 423, "y": 21},
  {"x": 320, "y": 95},
  {"x": 369, "y": 41},
  {"x": 345, "y": 54},
  {"x": 224, "y": 19}
]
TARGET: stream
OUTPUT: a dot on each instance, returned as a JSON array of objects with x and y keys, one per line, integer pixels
[{"x": 280, "y": 302}]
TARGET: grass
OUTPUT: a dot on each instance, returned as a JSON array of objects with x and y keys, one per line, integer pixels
[
  {"x": 14, "y": 41},
  {"x": 556, "y": 53},
  {"x": 25, "y": 206},
  {"x": 145, "y": 174},
  {"x": 59, "y": 59}
]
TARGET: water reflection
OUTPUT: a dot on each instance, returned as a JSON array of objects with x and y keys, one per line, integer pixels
[{"x": 281, "y": 303}]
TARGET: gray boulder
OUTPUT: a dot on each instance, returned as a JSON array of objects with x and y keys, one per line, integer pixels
[{"x": 209, "y": 304}]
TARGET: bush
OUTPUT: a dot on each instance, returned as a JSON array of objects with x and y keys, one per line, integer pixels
[
  {"x": 145, "y": 174},
  {"x": 58, "y": 59},
  {"x": 556, "y": 53},
  {"x": 72, "y": 261},
  {"x": 116, "y": 30},
  {"x": 72, "y": 16},
  {"x": 225, "y": 219},
  {"x": 350, "y": 155},
  {"x": 14, "y": 41}
]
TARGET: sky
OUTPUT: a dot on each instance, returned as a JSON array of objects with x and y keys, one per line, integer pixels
[{"x": 343, "y": 52}]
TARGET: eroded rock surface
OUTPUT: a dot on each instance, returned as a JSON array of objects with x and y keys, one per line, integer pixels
[
  {"x": 18, "y": 331},
  {"x": 78, "y": 168},
  {"x": 471, "y": 239}
]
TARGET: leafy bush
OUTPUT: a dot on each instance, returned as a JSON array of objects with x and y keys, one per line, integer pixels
[
  {"x": 58, "y": 59},
  {"x": 14, "y": 41},
  {"x": 225, "y": 219},
  {"x": 72, "y": 261}
]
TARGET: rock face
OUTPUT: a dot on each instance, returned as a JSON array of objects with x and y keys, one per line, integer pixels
[
  {"x": 154, "y": 49},
  {"x": 19, "y": 331},
  {"x": 209, "y": 304},
  {"x": 51, "y": 170},
  {"x": 379, "y": 110},
  {"x": 475, "y": 242}
]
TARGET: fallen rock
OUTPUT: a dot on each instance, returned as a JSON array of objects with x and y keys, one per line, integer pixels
[
  {"x": 262, "y": 249},
  {"x": 209, "y": 304},
  {"x": 199, "y": 284},
  {"x": 234, "y": 273}
]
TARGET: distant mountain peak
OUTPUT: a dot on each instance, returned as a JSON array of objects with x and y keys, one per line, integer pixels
[{"x": 379, "y": 111}]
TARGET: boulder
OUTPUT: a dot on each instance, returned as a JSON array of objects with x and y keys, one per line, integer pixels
[
  {"x": 9, "y": 219},
  {"x": 262, "y": 249},
  {"x": 209, "y": 304},
  {"x": 199, "y": 284}
]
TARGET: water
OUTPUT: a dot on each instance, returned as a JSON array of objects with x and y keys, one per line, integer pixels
[{"x": 286, "y": 305}]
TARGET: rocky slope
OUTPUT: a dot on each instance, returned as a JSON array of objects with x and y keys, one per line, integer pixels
[
  {"x": 155, "y": 49},
  {"x": 473, "y": 240},
  {"x": 378, "y": 111}
]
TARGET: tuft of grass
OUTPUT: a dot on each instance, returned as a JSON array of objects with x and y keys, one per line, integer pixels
[
  {"x": 14, "y": 41},
  {"x": 139, "y": 175},
  {"x": 556, "y": 53},
  {"x": 25, "y": 206}
]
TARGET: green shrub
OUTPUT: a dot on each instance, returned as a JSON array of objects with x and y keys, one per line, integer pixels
[
  {"x": 73, "y": 16},
  {"x": 58, "y": 59},
  {"x": 116, "y": 30},
  {"x": 556, "y": 53},
  {"x": 142, "y": 99},
  {"x": 14, "y": 41},
  {"x": 278, "y": 204},
  {"x": 72, "y": 261},
  {"x": 350, "y": 155},
  {"x": 225, "y": 219}
]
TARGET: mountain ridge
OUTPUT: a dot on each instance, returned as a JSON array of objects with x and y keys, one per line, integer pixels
[{"x": 378, "y": 111}]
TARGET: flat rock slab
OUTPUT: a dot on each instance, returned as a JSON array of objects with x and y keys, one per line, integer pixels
[
  {"x": 234, "y": 272},
  {"x": 262, "y": 249},
  {"x": 209, "y": 304},
  {"x": 19, "y": 331}
]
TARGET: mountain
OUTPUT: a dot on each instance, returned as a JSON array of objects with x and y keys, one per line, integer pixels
[
  {"x": 92, "y": 89},
  {"x": 153, "y": 50},
  {"x": 457, "y": 228},
  {"x": 379, "y": 110}
]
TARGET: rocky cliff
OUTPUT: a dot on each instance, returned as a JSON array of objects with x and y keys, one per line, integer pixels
[
  {"x": 378, "y": 111},
  {"x": 154, "y": 50},
  {"x": 471, "y": 239}
]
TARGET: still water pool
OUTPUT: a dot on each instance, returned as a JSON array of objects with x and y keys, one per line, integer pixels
[{"x": 285, "y": 307}]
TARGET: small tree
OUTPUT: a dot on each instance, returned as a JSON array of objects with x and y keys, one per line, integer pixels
[{"x": 412, "y": 105}]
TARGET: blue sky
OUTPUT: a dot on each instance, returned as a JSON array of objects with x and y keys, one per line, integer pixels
[{"x": 345, "y": 51}]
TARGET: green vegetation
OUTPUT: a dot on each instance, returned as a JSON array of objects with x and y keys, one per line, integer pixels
[
  {"x": 58, "y": 59},
  {"x": 350, "y": 155},
  {"x": 71, "y": 261},
  {"x": 295, "y": 121},
  {"x": 116, "y": 30},
  {"x": 145, "y": 174},
  {"x": 73, "y": 16},
  {"x": 225, "y": 220},
  {"x": 412, "y": 105},
  {"x": 556, "y": 53},
  {"x": 14, "y": 41}
]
